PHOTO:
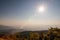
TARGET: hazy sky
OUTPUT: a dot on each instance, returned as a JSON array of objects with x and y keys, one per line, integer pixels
[{"x": 25, "y": 12}]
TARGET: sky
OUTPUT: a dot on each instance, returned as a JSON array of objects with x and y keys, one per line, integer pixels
[{"x": 25, "y": 12}]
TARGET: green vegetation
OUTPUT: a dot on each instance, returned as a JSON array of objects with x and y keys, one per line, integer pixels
[{"x": 51, "y": 34}]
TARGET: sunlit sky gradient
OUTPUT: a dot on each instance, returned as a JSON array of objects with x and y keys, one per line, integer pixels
[{"x": 25, "y": 12}]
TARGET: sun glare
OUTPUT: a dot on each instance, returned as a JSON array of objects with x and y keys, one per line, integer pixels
[{"x": 41, "y": 9}]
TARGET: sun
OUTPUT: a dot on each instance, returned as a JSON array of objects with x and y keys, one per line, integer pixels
[{"x": 41, "y": 9}]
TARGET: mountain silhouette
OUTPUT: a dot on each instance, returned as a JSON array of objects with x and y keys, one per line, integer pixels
[{"x": 8, "y": 30}]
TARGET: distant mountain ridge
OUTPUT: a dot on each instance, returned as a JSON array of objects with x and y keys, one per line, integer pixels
[
  {"x": 11, "y": 29},
  {"x": 7, "y": 30}
]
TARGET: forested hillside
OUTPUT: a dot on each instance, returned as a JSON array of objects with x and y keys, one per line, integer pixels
[{"x": 51, "y": 34}]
